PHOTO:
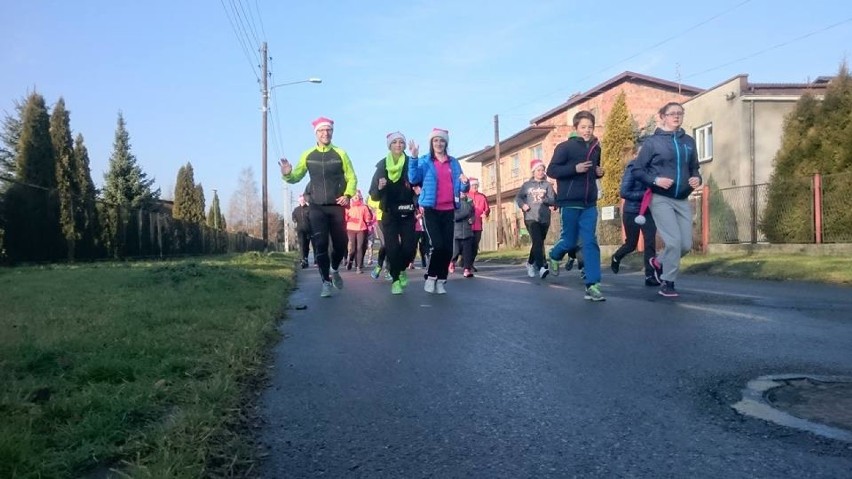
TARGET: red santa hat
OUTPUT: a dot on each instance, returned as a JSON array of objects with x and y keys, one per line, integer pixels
[
  {"x": 439, "y": 133},
  {"x": 535, "y": 163},
  {"x": 322, "y": 122},
  {"x": 473, "y": 181},
  {"x": 395, "y": 136}
]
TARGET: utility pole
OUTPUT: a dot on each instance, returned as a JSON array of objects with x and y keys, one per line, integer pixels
[
  {"x": 500, "y": 239},
  {"x": 265, "y": 92},
  {"x": 287, "y": 214}
]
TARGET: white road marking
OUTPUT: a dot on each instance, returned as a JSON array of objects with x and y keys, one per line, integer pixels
[{"x": 753, "y": 317}]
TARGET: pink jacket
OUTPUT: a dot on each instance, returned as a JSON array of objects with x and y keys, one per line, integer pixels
[
  {"x": 480, "y": 207},
  {"x": 358, "y": 217}
]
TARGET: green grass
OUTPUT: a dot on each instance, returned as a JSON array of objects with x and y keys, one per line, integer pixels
[
  {"x": 770, "y": 266},
  {"x": 146, "y": 367}
]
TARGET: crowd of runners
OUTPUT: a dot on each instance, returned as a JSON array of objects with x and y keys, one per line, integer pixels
[{"x": 426, "y": 204}]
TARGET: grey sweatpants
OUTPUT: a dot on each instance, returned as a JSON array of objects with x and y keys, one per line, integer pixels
[{"x": 674, "y": 224}]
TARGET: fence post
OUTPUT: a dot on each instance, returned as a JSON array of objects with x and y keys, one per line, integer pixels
[
  {"x": 818, "y": 208},
  {"x": 705, "y": 219}
]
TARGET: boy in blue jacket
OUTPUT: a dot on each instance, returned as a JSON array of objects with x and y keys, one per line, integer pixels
[{"x": 575, "y": 167}]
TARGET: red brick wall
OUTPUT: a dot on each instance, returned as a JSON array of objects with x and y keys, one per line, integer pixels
[{"x": 643, "y": 101}]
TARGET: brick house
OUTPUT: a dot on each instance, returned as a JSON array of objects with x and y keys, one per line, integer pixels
[{"x": 645, "y": 95}]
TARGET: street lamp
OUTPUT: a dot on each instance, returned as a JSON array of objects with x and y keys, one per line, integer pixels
[
  {"x": 265, "y": 109},
  {"x": 309, "y": 80}
]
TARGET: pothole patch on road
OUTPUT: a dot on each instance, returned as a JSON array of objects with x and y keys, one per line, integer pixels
[{"x": 821, "y": 405}]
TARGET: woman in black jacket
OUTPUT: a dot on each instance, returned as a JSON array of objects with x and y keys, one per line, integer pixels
[{"x": 390, "y": 187}]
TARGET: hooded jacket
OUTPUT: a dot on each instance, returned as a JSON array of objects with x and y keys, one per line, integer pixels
[
  {"x": 463, "y": 227},
  {"x": 668, "y": 154},
  {"x": 632, "y": 190},
  {"x": 358, "y": 216},
  {"x": 538, "y": 195},
  {"x": 575, "y": 189}
]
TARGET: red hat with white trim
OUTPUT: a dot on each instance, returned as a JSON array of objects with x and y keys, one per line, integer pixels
[
  {"x": 535, "y": 163},
  {"x": 322, "y": 122},
  {"x": 439, "y": 133}
]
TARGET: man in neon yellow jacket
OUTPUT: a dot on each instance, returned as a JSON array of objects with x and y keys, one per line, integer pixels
[{"x": 332, "y": 184}]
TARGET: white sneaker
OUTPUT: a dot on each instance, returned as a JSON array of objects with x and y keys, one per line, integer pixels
[
  {"x": 439, "y": 287},
  {"x": 429, "y": 285},
  {"x": 543, "y": 272},
  {"x": 530, "y": 270}
]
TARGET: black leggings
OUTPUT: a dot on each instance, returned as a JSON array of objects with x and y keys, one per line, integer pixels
[
  {"x": 400, "y": 243},
  {"x": 328, "y": 221},
  {"x": 649, "y": 233},
  {"x": 439, "y": 228},
  {"x": 537, "y": 231},
  {"x": 304, "y": 243}
]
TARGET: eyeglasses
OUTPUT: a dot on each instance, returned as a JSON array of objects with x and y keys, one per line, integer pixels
[{"x": 675, "y": 113}]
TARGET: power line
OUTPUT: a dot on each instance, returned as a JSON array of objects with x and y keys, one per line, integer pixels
[
  {"x": 248, "y": 22},
  {"x": 773, "y": 47},
  {"x": 252, "y": 21},
  {"x": 240, "y": 41},
  {"x": 641, "y": 52},
  {"x": 242, "y": 28},
  {"x": 260, "y": 18}
]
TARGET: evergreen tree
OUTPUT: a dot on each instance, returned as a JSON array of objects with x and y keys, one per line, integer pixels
[
  {"x": 10, "y": 135},
  {"x": 125, "y": 182},
  {"x": 86, "y": 208},
  {"x": 197, "y": 215},
  {"x": 815, "y": 140},
  {"x": 723, "y": 219},
  {"x": 617, "y": 145},
  {"x": 66, "y": 174},
  {"x": 189, "y": 197},
  {"x": 31, "y": 205},
  {"x": 183, "y": 189},
  {"x": 126, "y": 187},
  {"x": 215, "y": 219}
]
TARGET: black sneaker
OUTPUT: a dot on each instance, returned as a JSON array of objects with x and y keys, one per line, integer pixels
[
  {"x": 668, "y": 290},
  {"x": 614, "y": 265},
  {"x": 568, "y": 266},
  {"x": 657, "y": 267},
  {"x": 651, "y": 281}
]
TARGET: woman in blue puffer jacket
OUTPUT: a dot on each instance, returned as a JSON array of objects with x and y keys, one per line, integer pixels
[{"x": 442, "y": 182}]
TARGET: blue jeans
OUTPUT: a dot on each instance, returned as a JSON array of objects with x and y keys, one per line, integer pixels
[{"x": 583, "y": 223}]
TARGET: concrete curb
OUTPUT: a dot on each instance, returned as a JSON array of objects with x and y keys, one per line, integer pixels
[{"x": 754, "y": 404}]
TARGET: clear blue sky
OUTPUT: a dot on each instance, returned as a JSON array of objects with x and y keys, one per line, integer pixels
[{"x": 188, "y": 92}]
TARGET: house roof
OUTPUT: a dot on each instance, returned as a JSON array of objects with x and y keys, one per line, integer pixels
[
  {"x": 518, "y": 139},
  {"x": 747, "y": 88},
  {"x": 611, "y": 83}
]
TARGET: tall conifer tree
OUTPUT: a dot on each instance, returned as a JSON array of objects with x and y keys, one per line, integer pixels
[
  {"x": 66, "y": 175},
  {"x": 31, "y": 206}
]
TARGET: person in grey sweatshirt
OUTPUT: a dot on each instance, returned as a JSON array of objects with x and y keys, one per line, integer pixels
[
  {"x": 463, "y": 233},
  {"x": 536, "y": 198}
]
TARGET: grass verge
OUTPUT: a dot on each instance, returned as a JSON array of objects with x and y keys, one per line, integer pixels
[
  {"x": 140, "y": 368},
  {"x": 768, "y": 266}
]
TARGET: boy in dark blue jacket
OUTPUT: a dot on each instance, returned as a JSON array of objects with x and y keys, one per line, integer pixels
[{"x": 576, "y": 165}]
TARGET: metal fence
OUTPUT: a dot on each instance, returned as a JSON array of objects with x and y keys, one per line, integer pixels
[{"x": 813, "y": 209}]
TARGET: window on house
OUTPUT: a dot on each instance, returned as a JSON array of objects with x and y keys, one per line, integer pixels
[
  {"x": 492, "y": 175},
  {"x": 516, "y": 165},
  {"x": 704, "y": 142}
]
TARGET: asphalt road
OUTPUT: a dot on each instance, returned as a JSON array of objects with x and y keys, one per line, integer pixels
[{"x": 510, "y": 377}]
